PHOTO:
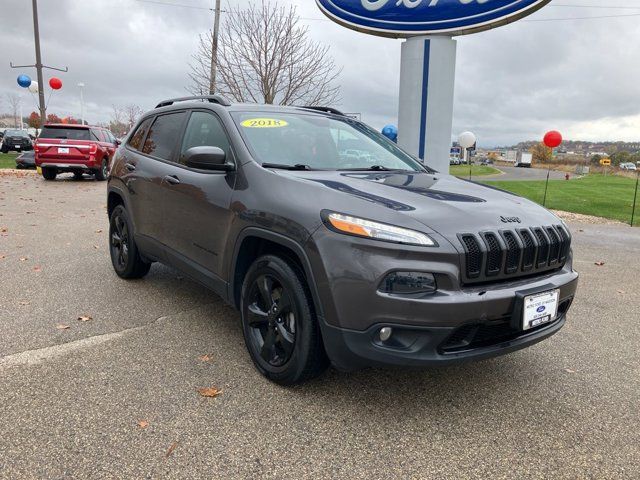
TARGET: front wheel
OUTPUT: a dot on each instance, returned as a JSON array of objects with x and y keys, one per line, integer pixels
[
  {"x": 125, "y": 256},
  {"x": 279, "y": 322}
]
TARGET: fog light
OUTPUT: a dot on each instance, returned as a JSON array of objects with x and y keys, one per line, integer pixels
[
  {"x": 385, "y": 333},
  {"x": 409, "y": 283}
]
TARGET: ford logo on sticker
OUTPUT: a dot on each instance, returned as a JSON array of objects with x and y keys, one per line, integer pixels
[
  {"x": 405, "y": 18},
  {"x": 541, "y": 309}
]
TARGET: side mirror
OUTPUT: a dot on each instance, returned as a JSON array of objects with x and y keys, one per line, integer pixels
[
  {"x": 206, "y": 158},
  {"x": 117, "y": 143}
]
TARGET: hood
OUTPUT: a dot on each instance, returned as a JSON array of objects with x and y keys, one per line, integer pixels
[{"x": 441, "y": 202}]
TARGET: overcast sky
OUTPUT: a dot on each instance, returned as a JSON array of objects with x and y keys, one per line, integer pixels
[{"x": 513, "y": 83}]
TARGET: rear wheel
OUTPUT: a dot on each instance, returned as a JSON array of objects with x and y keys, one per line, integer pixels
[
  {"x": 49, "y": 173},
  {"x": 101, "y": 174},
  {"x": 279, "y": 322},
  {"x": 125, "y": 256}
]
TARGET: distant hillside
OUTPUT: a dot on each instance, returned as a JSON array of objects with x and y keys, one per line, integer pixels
[{"x": 585, "y": 148}]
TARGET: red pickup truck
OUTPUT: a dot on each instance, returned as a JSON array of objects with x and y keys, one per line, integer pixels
[{"x": 74, "y": 148}]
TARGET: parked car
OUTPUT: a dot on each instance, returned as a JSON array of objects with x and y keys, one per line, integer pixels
[
  {"x": 327, "y": 257},
  {"x": 454, "y": 161},
  {"x": 16, "y": 140},
  {"x": 26, "y": 160},
  {"x": 74, "y": 148},
  {"x": 628, "y": 166}
]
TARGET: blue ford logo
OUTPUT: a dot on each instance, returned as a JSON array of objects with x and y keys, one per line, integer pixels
[
  {"x": 541, "y": 309},
  {"x": 403, "y": 18}
]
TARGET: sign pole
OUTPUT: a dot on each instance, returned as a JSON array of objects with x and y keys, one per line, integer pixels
[
  {"x": 635, "y": 197},
  {"x": 425, "y": 114}
]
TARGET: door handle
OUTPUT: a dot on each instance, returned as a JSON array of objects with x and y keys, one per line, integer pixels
[
  {"x": 130, "y": 166},
  {"x": 171, "y": 179}
]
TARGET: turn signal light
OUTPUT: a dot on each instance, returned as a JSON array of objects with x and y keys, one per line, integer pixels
[{"x": 379, "y": 231}]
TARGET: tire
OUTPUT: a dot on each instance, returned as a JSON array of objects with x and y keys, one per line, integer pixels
[
  {"x": 279, "y": 322},
  {"x": 101, "y": 174},
  {"x": 77, "y": 175},
  {"x": 125, "y": 256},
  {"x": 49, "y": 173}
]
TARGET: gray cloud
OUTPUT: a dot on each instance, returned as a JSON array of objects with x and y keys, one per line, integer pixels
[{"x": 513, "y": 83}]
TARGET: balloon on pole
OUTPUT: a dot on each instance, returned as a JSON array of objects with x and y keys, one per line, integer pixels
[
  {"x": 24, "y": 81},
  {"x": 55, "y": 83},
  {"x": 467, "y": 139},
  {"x": 391, "y": 132},
  {"x": 33, "y": 87},
  {"x": 553, "y": 139}
]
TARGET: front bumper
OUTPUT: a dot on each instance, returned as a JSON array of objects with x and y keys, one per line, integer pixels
[{"x": 457, "y": 323}]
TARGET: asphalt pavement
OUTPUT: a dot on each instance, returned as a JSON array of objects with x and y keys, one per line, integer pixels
[
  {"x": 521, "y": 173},
  {"x": 116, "y": 396}
]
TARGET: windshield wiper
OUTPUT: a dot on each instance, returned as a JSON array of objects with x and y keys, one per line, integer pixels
[
  {"x": 373, "y": 168},
  {"x": 282, "y": 166}
]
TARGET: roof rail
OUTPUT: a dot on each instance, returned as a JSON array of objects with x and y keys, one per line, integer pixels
[
  {"x": 325, "y": 109},
  {"x": 219, "y": 99}
]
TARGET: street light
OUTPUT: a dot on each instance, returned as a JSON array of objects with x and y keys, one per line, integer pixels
[
  {"x": 466, "y": 141},
  {"x": 81, "y": 85}
]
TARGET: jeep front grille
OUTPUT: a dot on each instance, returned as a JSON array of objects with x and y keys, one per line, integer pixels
[{"x": 493, "y": 256}]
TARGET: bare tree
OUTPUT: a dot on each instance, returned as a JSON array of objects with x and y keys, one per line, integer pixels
[
  {"x": 132, "y": 113},
  {"x": 13, "y": 99},
  {"x": 266, "y": 56}
]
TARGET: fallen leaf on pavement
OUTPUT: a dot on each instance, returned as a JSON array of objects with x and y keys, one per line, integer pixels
[
  {"x": 568, "y": 370},
  {"x": 85, "y": 318},
  {"x": 37, "y": 268},
  {"x": 96, "y": 247},
  {"x": 171, "y": 449},
  {"x": 99, "y": 231},
  {"x": 205, "y": 358},
  {"x": 621, "y": 291},
  {"x": 23, "y": 259},
  {"x": 24, "y": 302},
  {"x": 143, "y": 423},
  {"x": 599, "y": 264},
  {"x": 62, "y": 327},
  {"x": 210, "y": 392}
]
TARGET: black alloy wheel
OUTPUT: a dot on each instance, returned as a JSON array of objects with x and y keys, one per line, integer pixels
[
  {"x": 125, "y": 258},
  {"x": 120, "y": 242},
  {"x": 279, "y": 322},
  {"x": 272, "y": 320}
]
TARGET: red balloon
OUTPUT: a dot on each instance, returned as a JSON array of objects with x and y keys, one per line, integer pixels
[
  {"x": 553, "y": 139},
  {"x": 55, "y": 83}
]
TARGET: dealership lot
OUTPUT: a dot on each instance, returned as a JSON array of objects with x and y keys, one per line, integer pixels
[{"x": 116, "y": 396}]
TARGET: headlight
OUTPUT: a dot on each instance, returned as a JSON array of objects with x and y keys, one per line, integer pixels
[{"x": 378, "y": 231}]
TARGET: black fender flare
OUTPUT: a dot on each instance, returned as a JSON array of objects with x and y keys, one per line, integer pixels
[{"x": 284, "y": 241}]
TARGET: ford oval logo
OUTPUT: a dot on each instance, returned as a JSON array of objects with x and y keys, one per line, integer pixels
[
  {"x": 541, "y": 309},
  {"x": 404, "y": 18}
]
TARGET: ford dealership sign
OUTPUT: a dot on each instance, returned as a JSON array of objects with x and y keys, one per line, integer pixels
[{"x": 405, "y": 18}]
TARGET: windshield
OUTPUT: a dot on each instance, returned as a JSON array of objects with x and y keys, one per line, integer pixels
[
  {"x": 65, "y": 133},
  {"x": 319, "y": 142},
  {"x": 15, "y": 133}
]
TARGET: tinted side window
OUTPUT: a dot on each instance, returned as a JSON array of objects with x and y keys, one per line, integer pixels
[
  {"x": 204, "y": 129},
  {"x": 164, "y": 135},
  {"x": 97, "y": 135},
  {"x": 136, "y": 139}
]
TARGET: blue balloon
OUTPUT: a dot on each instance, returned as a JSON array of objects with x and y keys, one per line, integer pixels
[
  {"x": 24, "y": 81},
  {"x": 391, "y": 132}
]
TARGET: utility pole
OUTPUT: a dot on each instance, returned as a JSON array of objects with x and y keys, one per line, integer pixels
[
  {"x": 214, "y": 48},
  {"x": 39, "y": 66},
  {"x": 36, "y": 34}
]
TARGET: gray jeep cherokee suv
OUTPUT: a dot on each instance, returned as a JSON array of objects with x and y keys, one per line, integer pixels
[{"x": 334, "y": 244}]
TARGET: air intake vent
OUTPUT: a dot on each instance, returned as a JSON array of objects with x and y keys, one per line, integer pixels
[
  {"x": 554, "y": 248},
  {"x": 529, "y": 250},
  {"x": 494, "y": 254},
  {"x": 543, "y": 248},
  {"x": 513, "y": 253},
  {"x": 473, "y": 255}
]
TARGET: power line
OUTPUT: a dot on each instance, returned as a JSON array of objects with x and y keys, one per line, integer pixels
[{"x": 595, "y": 17}]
